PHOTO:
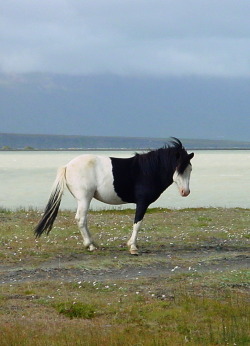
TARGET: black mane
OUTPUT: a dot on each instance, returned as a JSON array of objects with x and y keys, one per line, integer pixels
[{"x": 169, "y": 157}]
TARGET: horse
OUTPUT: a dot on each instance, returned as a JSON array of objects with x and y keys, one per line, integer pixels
[{"x": 139, "y": 179}]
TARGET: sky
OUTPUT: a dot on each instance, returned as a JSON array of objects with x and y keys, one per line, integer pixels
[{"x": 131, "y": 40}]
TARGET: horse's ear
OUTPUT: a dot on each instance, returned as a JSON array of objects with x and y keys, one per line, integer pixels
[{"x": 190, "y": 156}]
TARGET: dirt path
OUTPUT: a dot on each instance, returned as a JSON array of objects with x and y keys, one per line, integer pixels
[{"x": 70, "y": 268}]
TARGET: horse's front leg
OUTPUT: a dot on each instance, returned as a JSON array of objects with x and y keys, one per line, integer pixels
[{"x": 139, "y": 214}]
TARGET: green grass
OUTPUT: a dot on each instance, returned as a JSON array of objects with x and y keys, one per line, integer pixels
[
  {"x": 199, "y": 297},
  {"x": 76, "y": 310}
]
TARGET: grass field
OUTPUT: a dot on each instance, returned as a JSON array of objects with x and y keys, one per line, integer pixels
[{"x": 188, "y": 286}]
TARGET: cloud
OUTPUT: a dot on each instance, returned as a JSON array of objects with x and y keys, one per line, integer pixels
[{"x": 153, "y": 37}]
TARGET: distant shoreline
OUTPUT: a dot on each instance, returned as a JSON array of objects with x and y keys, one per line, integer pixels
[
  {"x": 115, "y": 149},
  {"x": 29, "y": 142}
]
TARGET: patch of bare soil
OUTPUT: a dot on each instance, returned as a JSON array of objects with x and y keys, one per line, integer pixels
[{"x": 73, "y": 268}]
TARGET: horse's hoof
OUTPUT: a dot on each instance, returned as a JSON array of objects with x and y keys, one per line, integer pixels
[
  {"x": 134, "y": 252},
  {"x": 92, "y": 247}
]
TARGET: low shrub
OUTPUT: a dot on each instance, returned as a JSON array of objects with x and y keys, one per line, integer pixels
[{"x": 76, "y": 310}]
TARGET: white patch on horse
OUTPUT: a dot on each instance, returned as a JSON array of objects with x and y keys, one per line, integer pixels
[
  {"x": 91, "y": 176},
  {"x": 182, "y": 180},
  {"x": 132, "y": 243}
]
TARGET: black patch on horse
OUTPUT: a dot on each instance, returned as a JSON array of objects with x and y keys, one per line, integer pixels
[{"x": 143, "y": 177}]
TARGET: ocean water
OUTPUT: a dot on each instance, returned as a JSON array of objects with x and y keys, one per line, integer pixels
[{"x": 219, "y": 179}]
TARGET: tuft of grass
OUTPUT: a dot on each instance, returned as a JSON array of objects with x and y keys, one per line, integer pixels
[
  {"x": 5, "y": 211},
  {"x": 76, "y": 310}
]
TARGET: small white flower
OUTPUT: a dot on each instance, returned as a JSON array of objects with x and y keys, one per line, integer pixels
[{"x": 176, "y": 267}]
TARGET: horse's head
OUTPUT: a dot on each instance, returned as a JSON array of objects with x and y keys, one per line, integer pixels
[{"x": 183, "y": 170}]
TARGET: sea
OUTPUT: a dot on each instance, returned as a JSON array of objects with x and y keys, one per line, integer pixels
[{"x": 220, "y": 178}]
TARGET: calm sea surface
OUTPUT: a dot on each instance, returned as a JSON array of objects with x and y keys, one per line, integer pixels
[{"x": 219, "y": 179}]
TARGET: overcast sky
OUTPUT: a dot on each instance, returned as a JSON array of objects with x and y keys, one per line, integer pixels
[
  {"x": 199, "y": 46},
  {"x": 153, "y": 37}
]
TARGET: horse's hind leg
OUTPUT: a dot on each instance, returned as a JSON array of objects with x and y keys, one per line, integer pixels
[{"x": 81, "y": 218}]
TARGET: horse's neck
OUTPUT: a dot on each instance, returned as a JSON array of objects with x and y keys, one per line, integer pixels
[{"x": 166, "y": 173}]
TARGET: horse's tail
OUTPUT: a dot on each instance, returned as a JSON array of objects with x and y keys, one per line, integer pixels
[{"x": 52, "y": 207}]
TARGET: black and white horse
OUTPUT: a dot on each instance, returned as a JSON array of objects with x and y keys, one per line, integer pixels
[{"x": 139, "y": 179}]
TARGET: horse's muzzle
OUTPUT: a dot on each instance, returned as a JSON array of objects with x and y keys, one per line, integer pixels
[{"x": 184, "y": 193}]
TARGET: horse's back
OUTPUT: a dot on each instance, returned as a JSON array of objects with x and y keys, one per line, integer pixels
[
  {"x": 85, "y": 169},
  {"x": 90, "y": 176}
]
